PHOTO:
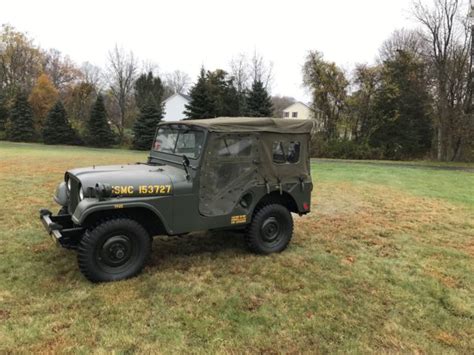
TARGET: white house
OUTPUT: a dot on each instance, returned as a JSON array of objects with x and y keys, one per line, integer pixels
[
  {"x": 174, "y": 107},
  {"x": 299, "y": 110}
]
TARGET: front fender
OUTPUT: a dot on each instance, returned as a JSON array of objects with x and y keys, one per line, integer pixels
[{"x": 89, "y": 206}]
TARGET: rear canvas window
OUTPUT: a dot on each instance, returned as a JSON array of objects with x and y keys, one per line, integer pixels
[{"x": 286, "y": 152}]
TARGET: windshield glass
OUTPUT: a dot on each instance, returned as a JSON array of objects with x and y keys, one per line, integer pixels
[{"x": 179, "y": 141}]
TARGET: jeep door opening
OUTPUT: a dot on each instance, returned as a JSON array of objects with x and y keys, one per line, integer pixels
[{"x": 221, "y": 173}]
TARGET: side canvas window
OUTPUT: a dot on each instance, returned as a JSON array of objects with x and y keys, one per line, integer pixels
[
  {"x": 286, "y": 152},
  {"x": 230, "y": 147}
]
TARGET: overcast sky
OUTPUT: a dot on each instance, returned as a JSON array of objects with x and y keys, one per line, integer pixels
[{"x": 187, "y": 34}]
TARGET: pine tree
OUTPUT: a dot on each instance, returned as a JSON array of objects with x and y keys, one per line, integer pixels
[
  {"x": 149, "y": 93},
  {"x": 20, "y": 124},
  {"x": 98, "y": 131},
  {"x": 57, "y": 129},
  {"x": 403, "y": 108},
  {"x": 202, "y": 104},
  {"x": 145, "y": 127},
  {"x": 259, "y": 103}
]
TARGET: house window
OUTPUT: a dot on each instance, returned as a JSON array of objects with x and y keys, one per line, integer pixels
[
  {"x": 286, "y": 152},
  {"x": 294, "y": 114},
  {"x": 286, "y": 114}
]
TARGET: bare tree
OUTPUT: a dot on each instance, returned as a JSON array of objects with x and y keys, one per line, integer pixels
[
  {"x": 406, "y": 40},
  {"x": 92, "y": 75},
  {"x": 122, "y": 72},
  {"x": 59, "y": 68},
  {"x": 178, "y": 81},
  {"x": 261, "y": 70},
  {"x": 240, "y": 72},
  {"x": 280, "y": 103},
  {"x": 445, "y": 32}
]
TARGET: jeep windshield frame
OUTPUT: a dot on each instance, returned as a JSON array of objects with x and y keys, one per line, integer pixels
[{"x": 168, "y": 137}]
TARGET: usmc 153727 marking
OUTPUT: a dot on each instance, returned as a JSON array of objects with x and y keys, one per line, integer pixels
[{"x": 118, "y": 190}]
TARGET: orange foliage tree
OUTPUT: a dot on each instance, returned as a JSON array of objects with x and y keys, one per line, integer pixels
[{"x": 42, "y": 98}]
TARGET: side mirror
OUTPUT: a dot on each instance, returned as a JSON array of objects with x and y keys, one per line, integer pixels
[{"x": 186, "y": 164}]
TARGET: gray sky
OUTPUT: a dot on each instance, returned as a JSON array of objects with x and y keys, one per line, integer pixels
[{"x": 187, "y": 34}]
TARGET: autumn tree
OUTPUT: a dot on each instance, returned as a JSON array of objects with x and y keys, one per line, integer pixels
[
  {"x": 59, "y": 68},
  {"x": 98, "y": 131},
  {"x": 20, "y": 122},
  {"x": 42, "y": 98},
  {"x": 328, "y": 87},
  {"x": 20, "y": 62},
  {"x": 57, "y": 129},
  {"x": 78, "y": 102}
]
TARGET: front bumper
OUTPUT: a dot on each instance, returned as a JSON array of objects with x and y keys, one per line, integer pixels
[{"x": 61, "y": 229}]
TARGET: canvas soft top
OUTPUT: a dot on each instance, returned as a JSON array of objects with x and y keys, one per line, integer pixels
[{"x": 251, "y": 124}]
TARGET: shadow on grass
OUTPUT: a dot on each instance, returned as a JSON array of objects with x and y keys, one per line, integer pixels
[{"x": 193, "y": 246}]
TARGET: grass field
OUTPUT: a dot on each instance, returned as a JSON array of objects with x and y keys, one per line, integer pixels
[{"x": 385, "y": 263}]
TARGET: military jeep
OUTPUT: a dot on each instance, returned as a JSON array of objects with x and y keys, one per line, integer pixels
[{"x": 247, "y": 174}]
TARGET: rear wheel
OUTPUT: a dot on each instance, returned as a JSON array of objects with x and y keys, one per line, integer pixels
[
  {"x": 271, "y": 229},
  {"x": 114, "y": 250}
]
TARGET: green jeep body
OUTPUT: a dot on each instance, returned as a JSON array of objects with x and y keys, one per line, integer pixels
[{"x": 200, "y": 175}]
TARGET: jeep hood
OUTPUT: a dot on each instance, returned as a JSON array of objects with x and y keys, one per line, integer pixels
[{"x": 131, "y": 179}]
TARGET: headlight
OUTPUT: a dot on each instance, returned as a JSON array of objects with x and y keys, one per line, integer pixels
[
  {"x": 81, "y": 194},
  {"x": 68, "y": 184}
]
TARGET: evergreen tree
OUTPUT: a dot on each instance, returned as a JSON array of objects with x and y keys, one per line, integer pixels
[
  {"x": 259, "y": 103},
  {"x": 98, "y": 131},
  {"x": 223, "y": 93},
  {"x": 149, "y": 92},
  {"x": 403, "y": 107},
  {"x": 57, "y": 129},
  {"x": 145, "y": 127},
  {"x": 20, "y": 124},
  {"x": 201, "y": 105}
]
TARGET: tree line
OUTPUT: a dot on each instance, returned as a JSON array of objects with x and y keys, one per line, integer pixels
[
  {"x": 45, "y": 97},
  {"x": 414, "y": 102}
]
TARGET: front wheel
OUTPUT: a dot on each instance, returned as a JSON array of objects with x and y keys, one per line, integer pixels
[
  {"x": 114, "y": 250},
  {"x": 271, "y": 229}
]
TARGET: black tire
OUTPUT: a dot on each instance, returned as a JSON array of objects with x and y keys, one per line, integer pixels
[
  {"x": 270, "y": 230},
  {"x": 114, "y": 250}
]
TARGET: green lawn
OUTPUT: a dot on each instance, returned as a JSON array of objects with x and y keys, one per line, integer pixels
[{"x": 385, "y": 263}]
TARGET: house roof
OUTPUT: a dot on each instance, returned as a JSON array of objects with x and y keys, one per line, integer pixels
[
  {"x": 250, "y": 124},
  {"x": 188, "y": 98},
  {"x": 296, "y": 102}
]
